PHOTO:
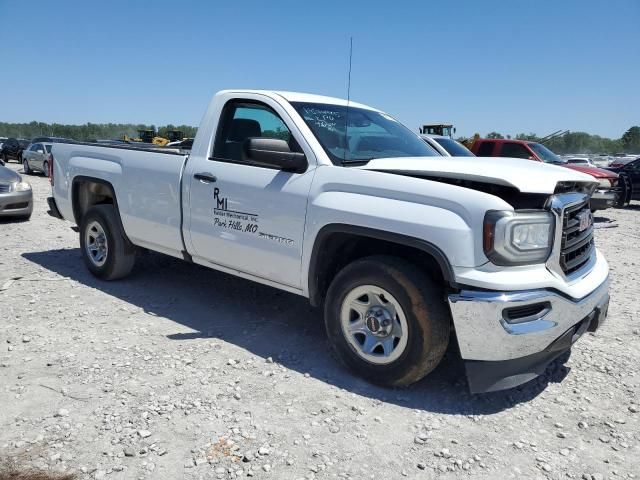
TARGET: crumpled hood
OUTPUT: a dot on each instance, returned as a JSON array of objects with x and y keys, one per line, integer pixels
[
  {"x": 525, "y": 175},
  {"x": 8, "y": 176}
]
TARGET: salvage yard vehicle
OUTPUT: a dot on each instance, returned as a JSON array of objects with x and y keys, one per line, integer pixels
[
  {"x": 340, "y": 203},
  {"x": 447, "y": 147},
  {"x": 629, "y": 172},
  {"x": 606, "y": 195},
  {"x": 16, "y": 196},
  {"x": 37, "y": 158},
  {"x": 12, "y": 149}
]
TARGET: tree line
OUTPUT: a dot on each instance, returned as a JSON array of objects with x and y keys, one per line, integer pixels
[
  {"x": 88, "y": 131},
  {"x": 580, "y": 142},
  {"x": 571, "y": 142}
]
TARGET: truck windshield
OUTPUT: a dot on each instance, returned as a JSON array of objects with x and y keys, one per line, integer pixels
[
  {"x": 546, "y": 155},
  {"x": 362, "y": 136}
]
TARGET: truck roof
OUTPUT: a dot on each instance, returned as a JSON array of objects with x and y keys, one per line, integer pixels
[
  {"x": 303, "y": 97},
  {"x": 504, "y": 140}
]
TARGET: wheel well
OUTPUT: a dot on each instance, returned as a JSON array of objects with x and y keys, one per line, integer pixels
[
  {"x": 89, "y": 192},
  {"x": 335, "y": 250}
]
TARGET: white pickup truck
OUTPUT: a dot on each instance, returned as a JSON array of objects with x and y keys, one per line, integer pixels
[{"x": 342, "y": 204}]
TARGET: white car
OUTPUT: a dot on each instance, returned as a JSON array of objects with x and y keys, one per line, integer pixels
[
  {"x": 579, "y": 161},
  {"x": 340, "y": 203},
  {"x": 447, "y": 147}
]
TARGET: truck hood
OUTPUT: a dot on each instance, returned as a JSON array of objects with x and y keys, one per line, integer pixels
[
  {"x": 593, "y": 171},
  {"x": 524, "y": 175}
]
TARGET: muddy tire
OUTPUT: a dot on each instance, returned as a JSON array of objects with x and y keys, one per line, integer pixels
[
  {"x": 106, "y": 251},
  {"x": 387, "y": 320}
]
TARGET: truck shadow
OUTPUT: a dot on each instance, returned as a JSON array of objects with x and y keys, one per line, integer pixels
[{"x": 272, "y": 323}]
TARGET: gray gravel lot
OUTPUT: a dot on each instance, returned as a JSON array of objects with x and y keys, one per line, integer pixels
[{"x": 183, "y": 372}]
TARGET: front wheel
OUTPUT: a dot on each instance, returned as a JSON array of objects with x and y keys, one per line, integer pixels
[
  {"x": 25, "y": 167},
  {"x": 106, "y": 251},
  {"x": 45, "y": 168},
  {"x": 387, "y": 320}
]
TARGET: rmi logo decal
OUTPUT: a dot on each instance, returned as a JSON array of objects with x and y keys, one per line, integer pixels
[{"x": 221, "y": 202}]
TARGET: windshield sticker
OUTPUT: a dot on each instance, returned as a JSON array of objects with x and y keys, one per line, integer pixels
[
  {"x": 238, "y": 221},
  {"x": 321, "y": 118}
]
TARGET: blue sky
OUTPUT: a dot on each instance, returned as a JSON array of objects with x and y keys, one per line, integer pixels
[{"x": 508, "y": 66}]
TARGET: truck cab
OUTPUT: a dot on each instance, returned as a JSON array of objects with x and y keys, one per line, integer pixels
[{"x": 441, "y": 129}]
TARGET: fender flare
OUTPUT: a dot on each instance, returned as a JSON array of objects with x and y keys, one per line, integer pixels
[{"x": 315, "y": 294}]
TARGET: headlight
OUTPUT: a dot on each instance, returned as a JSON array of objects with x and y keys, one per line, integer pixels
[
  {"x": 21, "y": 187},
  {"x": 512, "y": 238}
]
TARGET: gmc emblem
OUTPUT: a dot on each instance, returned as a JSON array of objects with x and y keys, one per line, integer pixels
[{"x": 586, "y": 219}]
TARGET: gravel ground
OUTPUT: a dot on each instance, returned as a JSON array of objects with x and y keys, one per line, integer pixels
[{"x": 183, "y": 372}]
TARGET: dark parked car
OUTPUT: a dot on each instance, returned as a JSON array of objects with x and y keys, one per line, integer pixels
[
  {"x": 16, "y": 197},
  {"x": 12, "y": 149},
  {"x": 629, "y": 173}
]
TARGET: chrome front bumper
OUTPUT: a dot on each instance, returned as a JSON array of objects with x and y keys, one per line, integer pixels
[{"x": 484, "y": 334}]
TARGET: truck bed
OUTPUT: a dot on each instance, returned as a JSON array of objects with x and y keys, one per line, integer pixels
[{"x": 146, "y": 183}]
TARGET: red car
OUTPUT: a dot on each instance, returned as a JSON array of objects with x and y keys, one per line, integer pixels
[{"x": 604, "y": 197}]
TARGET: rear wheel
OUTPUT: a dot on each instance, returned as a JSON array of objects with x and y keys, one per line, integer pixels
[
  {"x": 25, "y": 166},
  {"x": 387, "y": 320},
  {"x": 107, "y": 253}
]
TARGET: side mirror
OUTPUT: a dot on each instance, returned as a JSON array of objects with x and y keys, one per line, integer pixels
[{"x": 274, "y": 153}]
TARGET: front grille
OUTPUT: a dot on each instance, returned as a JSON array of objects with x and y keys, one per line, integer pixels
[
  {"x": 577, "y": 245},
  {"x": 4, "y": 187}
]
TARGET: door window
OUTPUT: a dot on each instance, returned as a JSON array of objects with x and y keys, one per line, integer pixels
[
  {"x": 633, "y": 167},
  {"x": 515, "y": 150},
  {"x": 485, "y": 149},
  {"x": 243, "y": 120}
]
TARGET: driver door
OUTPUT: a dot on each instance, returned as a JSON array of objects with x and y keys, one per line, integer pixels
[{"x": 244, "y": 216}]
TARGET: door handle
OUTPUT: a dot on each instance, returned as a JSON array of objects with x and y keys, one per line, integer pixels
[{"x": 205, "y": 177}]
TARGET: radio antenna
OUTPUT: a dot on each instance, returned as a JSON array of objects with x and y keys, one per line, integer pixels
[{"x": 346, "y": 121}]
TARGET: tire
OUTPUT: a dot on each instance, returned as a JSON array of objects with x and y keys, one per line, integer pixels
[
  {"x": 45, "y": 168},
  {"x": 426, "y": 320},
  {"x": 626, "y": 191},
  {"x": 5, "y": 159},
  {"x": 25, "y": 167},
  {"x": 101, "y": 224}
]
